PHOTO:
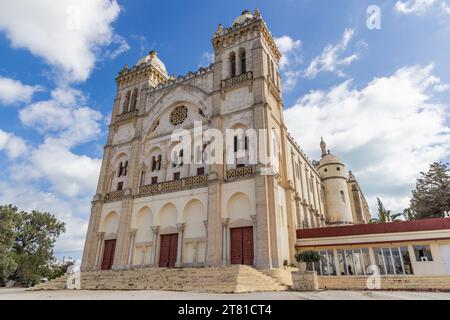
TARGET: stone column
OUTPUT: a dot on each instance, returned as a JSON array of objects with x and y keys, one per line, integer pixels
[
  {"x": 180, "y": 227},
  {"x": 90, "y": 251},
  {"x": 195, "y": 246},
  {"x": 99, "y": 250},
  {"x": 205, "y": 222},
  {"x": 255, "y": 238},
  {"x": 155, "y": 230},
  {"x": 131, "y": 249},
  {"x": 225, "y": 259}
]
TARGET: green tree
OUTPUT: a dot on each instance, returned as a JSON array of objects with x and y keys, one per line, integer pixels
[
  {"x": 431, "y": 197},
  {"x": 26, "y": 245},
  {"x": 35, "y": 235},
  {"x": 7, "y": 261},
  {"x": 384, "y": 215}
]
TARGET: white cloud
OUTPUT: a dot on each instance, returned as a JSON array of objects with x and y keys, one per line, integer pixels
[
  {"x": 13, "y": 146},
  {"x": 69, "y": 174},
  {"x": 417, "y": 7},
  {"x": 64, "y": 116},
  {"x": 386, "y": 132},
  {"x": 289, "y": 61},
  {"x": 445, "y": 7},
  {"x": 287, "y": 46},
  {"x": 206, "y": 59},
  {"x": 65, "y": 33},
  {"x": 13, "y": 91},
  {"x": 331, "y": 60}
]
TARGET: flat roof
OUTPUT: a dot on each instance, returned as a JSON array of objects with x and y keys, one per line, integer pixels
[{"x": 375, "y": 228}]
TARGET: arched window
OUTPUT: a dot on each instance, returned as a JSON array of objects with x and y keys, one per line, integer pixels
[
  {"x": 134, "y": 100},
  {"x": 142, "y": 179},
  {"x": 236, "y": 144},
  {"x": 342, "y": 196},
  {"x": 123, "y": 168},
  {"x": 153, "y": 163},
  {"x": 126, "y": 102},
  {"x": 243, "y": 60},
  {"x": 158, "y": 163},
  {"x": 233, "y": 64}
]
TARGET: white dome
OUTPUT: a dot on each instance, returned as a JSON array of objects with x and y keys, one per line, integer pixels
[
  {"x": 153, "y": 59},
  {"x": 330, "y": 159},
  {"x": 244, "y": 16}
]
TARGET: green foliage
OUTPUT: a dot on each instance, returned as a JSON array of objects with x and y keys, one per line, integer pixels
[
  {"x": 431, "y": 197},
  {"x": 7, "y": 261},
  {"x": 26, "y": 245},
  {"x": 385, "y": 215},
  {"x": 307, "y": 256}
]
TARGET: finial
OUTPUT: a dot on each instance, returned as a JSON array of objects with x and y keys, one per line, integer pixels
[
  {"x": 245, "y": 12},
  {"x": 153, "y": 53},
  {"x": 323, "y": 147},
  {"x": 219, "y": 29},
  {"x": 257, "y": 14}
]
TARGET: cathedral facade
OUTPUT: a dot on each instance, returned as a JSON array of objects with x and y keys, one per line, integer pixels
[{"x": 163, "y": 203}]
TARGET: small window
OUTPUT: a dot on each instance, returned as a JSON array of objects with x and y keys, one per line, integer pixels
[
  {"x": 233, "y": 64},
  {"x": 176, "y": 176},
  {"x": 342, "y": 196},
  {"x": 119, "y": 186},
  {"x": 243, "y": 62},
  {"x": 325, "y": 170},
  {"x": 338, "y": 169},
  {"x": 200, "y": 171},
  {"x": 235, "y": 143},
  {"x": 246, "y": 143},
  {"x": 154, "y": 180},
  {"x": 423, "y": 253}
]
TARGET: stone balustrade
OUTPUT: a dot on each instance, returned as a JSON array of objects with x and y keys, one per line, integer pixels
[
  {"x": 239, "y": 172},
  {"x": 174, "y": 185},
  {"x": 237, "y": 80},
  {"x": 114, "y": 196},
  {"x": 126, "y": 116}
]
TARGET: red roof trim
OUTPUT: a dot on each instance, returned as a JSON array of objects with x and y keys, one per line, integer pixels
[
  {"x": 375, "y": 228},
  {"x": 336, "y": 244}
]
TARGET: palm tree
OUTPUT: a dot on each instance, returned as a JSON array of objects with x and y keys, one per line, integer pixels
[{"x": 385, "y": 215}]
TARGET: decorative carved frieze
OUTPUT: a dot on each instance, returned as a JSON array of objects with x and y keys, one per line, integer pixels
[
  {"x": 239, "y": 172},
  {"x": 237, "y": 80},
  {"x": 126, "y": 116},
  {"x": 173, "y": 185},
  {"x": 114, "y": 196}
]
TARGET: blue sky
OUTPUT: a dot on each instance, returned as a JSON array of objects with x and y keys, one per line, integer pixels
[{"x": 379, "y": 97}]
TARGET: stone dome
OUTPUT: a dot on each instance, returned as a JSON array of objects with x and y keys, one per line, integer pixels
[
  {"x": 330, "y": 159},
  {"x": 153, "y": 59},
  {"x": 244, "y": 16}
]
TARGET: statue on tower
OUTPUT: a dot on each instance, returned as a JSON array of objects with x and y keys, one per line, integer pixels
[{"x": 323, "y": 147}]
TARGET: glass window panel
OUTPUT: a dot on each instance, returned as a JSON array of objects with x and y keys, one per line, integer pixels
[
  {"x": 379, "y": 260},
  {"x": 398, "y": 266},
  {"x": 342, "y": 263},
  {"x": 367, "y": 263},
  {"x": 331, "y": 265},
  {"x": 358, "y": 261},
  {"x": 407, "y": 266},
  {"x": 388, "y": 261},
  {"x": 350, "y": 264},
  {"x": 423, "y": 253}
]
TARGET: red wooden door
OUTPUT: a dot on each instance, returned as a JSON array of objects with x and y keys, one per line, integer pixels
[
  {"x": 108, "y": 254},
  {"x": 247, "y": 245},
  {"x": 168, "y": 250},
  {"x": 236, "y": 245},
  {"x": 242, "y": 245}
]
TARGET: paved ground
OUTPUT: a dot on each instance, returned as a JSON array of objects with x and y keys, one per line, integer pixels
[{"x": 21, "y": 294}]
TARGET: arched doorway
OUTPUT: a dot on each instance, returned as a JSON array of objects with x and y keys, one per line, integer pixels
[
  {"x": 169, "y": 237},
  {"x": 241, "y": 230},
  {"x": 110, "y": 227}
]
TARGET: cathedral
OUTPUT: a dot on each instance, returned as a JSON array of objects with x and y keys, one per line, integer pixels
[{"x": 163, "y": 203}]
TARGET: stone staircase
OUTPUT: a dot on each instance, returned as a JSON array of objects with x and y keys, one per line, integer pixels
[
  {"x": 236, "y": 278},
  {"x": 405, "y": 282},
  {"x": 55, "y": 284}
]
